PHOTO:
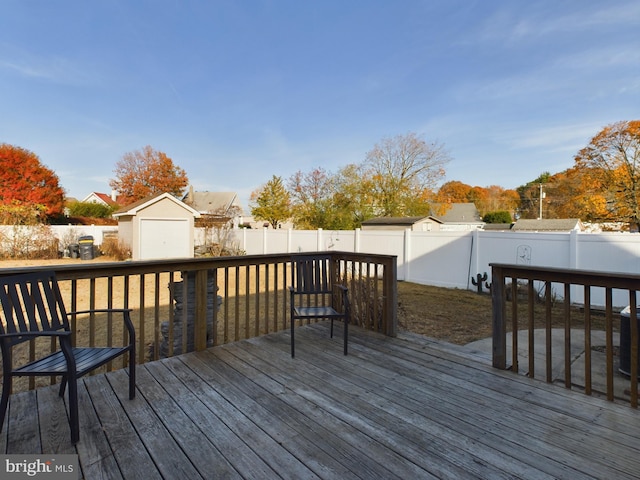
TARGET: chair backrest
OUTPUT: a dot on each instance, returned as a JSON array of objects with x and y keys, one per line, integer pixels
[
  {"x": 312, "y": 274},
  {"x": 31, "y": 303}
]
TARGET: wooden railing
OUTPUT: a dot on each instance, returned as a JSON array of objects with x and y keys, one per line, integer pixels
[
  {"x": 227, "y": 299},
  {"x": 533, "y": 293}
]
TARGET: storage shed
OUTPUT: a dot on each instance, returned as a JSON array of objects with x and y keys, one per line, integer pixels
[
  {"x": 420, "y": 224},
  {"x": 160, "y": 226}
]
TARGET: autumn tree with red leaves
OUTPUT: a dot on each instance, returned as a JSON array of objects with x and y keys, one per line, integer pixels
[
  {"x": 146, "y": 172},
  {"x": 27, "y": 185}
]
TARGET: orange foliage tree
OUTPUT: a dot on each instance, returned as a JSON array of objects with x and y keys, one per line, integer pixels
[
  {"x": 577, "y": 193},
  {"x": 146, "y": 172},
  {"x": 612, "y": 160},
  {"x": 26, "y": 183},
  {"x": 486, "y": 199}
]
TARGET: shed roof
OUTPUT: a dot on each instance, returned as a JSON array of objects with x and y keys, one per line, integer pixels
[
  {"x": 135, "y": 207},
  {"x": 408, "y": 221},
  {"x": 548, "y": 225},
  {"x": 456, "y": 213}
]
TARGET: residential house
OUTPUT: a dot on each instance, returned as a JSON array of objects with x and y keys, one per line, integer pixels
[
  {"x": 102, "y": 199},
  {"x": 215, "y": 206},
  {"x": 548, "y": 225},
  {"x": 457, "y": 216}
]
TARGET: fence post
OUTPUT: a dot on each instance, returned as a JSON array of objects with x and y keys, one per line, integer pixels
[
  {"x": 407, "y": 257},
  {"x": 264, "y": 240},
  {"x": 498, "y": 307}
]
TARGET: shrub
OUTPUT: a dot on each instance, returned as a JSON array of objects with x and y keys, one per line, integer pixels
[
  {"x": 500, "y": 216},
  {"x": 115, "y": 248},
  {"x": 28, "y": 242},
  {"x": 89, "y": 209}
]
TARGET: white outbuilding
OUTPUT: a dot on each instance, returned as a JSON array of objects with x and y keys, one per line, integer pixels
[{"x": 156, "y": 227}]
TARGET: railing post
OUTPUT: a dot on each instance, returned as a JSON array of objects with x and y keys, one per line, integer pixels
[
  {"x": 390, "y": 292},
  {"x": 499, "y": 348},
  {"x": 200, "y": 324}
]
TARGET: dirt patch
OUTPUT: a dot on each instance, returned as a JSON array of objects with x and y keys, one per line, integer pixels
[{"x": 462, "y": 316}]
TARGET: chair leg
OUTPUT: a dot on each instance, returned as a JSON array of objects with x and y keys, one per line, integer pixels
[
  {"x": 73, "y": 409},
  {"x": 4, "y": 403},
  {"x": 63, "y": 386},
  {"x": 346, "y": 334},
  {"x": 331, "y": 329},
  {"x": 132, "y": 375},
  {"x": 293, "y": 348}
]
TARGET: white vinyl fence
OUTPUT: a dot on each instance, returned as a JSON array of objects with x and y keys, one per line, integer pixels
[
  {"x": 454, "y": 259},
  {"x": 448, "y": 259}
]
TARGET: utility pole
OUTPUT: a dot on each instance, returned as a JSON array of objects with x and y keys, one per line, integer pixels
[{"x": 542, "y": 195}]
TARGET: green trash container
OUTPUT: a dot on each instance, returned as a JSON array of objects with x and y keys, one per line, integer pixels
[
  {"x": 86, "y": 247},
  {"x": 625, "y": 341}
]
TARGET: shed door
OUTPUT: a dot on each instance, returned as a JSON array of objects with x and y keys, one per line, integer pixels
[{"x": 164, "y": 238}]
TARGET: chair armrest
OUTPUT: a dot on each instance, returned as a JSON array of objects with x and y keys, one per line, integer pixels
[
  {"x": 102, "y": 310},
  {"x": 126, "y": 317},
  {"x": 57, "y": 333}
]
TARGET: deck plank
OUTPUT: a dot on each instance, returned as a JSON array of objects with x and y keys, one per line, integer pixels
[
  {"x": 431, "y": 437},
  {"x": 280, "y": 443},
  {"x": 359, "y": 454},
  {"x": 405, "y": 407},
  {"x": 99, "y": 460},
  {"x": 234, "y": 457},
  {"x": 168, "y": 457},
  {"x": 128, "y": 448},
  {"x": 189, "y": 436}
]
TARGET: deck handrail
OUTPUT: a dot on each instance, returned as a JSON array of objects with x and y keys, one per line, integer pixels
[
  {"x": 252, "y": 290},
  {"x": 525, "y": 276}
]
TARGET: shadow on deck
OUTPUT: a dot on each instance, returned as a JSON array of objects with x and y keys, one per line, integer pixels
[{"x": 403, "y": 407}]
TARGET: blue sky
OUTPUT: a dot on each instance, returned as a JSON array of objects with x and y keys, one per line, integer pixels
[{"x": 236, "y": 91}]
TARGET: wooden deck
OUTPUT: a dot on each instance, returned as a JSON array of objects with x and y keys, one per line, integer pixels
[{"x": 405, "y": 408}]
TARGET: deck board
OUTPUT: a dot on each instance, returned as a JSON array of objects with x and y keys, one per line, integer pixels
[{"x": 404, "y": 407}]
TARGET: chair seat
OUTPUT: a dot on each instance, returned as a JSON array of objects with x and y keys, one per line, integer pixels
[
  {"x": 317, "y": 312},
  {"x": 87, "y": 359}
]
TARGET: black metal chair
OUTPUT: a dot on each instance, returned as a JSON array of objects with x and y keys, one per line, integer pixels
[
  {"x": 32, "y": 307},
  {"x": 316, "y": 294}
]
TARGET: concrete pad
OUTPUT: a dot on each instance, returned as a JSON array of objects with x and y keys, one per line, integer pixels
[{"x": 577, "y": 358}]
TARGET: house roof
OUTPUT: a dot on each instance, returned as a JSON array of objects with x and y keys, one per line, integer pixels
[
  {"x": 456, "y": 213},
  {"x": 211, "y": 202},
  {"x": 103, "y": 197},
  {"x": 408, "y": 221},
  {"x": 548, "y": 225},
  {"x": 135, "y": 207}
]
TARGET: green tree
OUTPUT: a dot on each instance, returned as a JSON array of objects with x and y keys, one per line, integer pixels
[
  {"x": 530, "y": 197},
  {"x": 404, "y": 171},
  {"x": 145, "y": 172},
  {"x": 271, "y": 202},
  {"x": 353, "y": 201}
]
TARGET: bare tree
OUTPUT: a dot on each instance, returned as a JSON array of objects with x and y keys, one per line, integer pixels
[
  {"x": 218, "y": 232},
  {"x": 404, "y": 171}
]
